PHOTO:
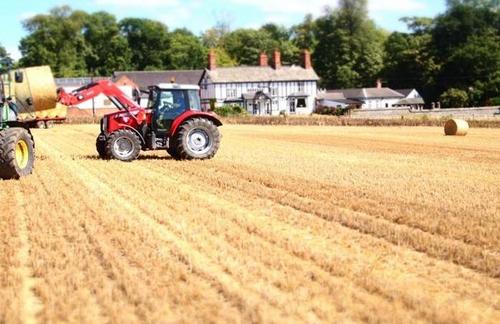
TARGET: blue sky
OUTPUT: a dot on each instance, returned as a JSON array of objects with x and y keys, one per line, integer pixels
[{"x": 198, "y": 15}]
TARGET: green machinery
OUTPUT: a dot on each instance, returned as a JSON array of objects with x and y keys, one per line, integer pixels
[{"x": 17, "y": 148}]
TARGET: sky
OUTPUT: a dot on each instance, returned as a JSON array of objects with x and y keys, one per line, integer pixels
[{"x": 198, "y": 15}]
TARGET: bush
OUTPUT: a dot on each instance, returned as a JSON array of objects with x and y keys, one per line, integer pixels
[
  {"x": 454, "y": 98},
  {"x": 494, "y": 101},
  {"x": 227, "y": 111},
  {"x": 332, "y": 111}
]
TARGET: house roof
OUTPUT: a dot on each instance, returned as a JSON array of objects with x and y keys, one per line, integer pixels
[
  {"x": 144, "y": 79},
  {"x": 261, "y": 74},
  {"x": 255, "y": 95},
  {"x": 368, "y": 93},
  {"x": 410, "y": 101},
  {"x": 405, "y": 92},
  {"x": 77, "y": 82},
  {"x": 331, "y": 96}
]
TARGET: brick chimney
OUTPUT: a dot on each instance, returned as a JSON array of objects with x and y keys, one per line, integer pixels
[
  {"x": 277, "y": 59},
  {"x": 212, "y": 60},
  {"x": 379, "y": 83},
  {"x": 306, "y": 59},
  {"x": 263, "y": 60}
]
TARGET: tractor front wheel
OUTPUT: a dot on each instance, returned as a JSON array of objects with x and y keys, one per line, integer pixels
[
  {"x": 123, "y": 145},
  {"x": 17, "y": 153},
  {"x": 198, "y": 138},
  {"x": 100, "y": 145}
]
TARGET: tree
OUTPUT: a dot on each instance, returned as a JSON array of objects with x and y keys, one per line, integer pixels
[
  {"x": 454, "y": 98},
  {"x": 245, "y": 45},
  {"x": 186, "y": 51},
  {"x": 6, "y": 61},
  {"x": 350, "y": 47},
  {"x": 304, "y": 34},
  {"x": 466, "y": 40},
  {"x": 149, "y": 42},
  {"x": 108, "y": 50},
  {"x": 409, "y": 60},
  {"x": 56, "y": 40}
]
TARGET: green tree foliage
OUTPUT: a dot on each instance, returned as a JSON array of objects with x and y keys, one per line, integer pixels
[
  {"x": 149, "y": 42},
  {"x": 409, "y": 61},
  {"x": 107, "y": 49},
  {"x": 245, "y": 45},
  {"x": 56, "y": 39},
  {"x": 466, "y": 40},
  {"x": 303, "y": 35},
  {"x": 6, "y": 61},
  {"x": 349, "y": 52},
  {"x": 186, "y": 51},
  {"x": 454, "y": 98}
]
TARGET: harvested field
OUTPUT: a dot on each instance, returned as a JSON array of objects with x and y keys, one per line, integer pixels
[{"x": 286, "y": 224}]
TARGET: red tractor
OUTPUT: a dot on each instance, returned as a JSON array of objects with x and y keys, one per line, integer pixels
[{"x": 173, "y": 121}]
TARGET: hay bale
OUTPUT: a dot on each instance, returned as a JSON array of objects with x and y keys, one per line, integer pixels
[
  {"x": 456, "y": 127},
  {"x": 38, "y": 85}
]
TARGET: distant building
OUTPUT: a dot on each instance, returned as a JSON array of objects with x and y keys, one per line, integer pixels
[
  {"x": 264, "y": 89},
  {"x": 369, "y": 98},
  {"x": 411, "y": 99}
]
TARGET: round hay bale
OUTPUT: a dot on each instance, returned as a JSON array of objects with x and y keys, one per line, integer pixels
[{"x": 456, "y": 127}]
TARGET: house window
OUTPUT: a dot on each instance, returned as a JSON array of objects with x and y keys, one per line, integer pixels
[
  {"x": 274, "y": 92},
  {"x": 301, "y": 86},
  {"x": 386, "y": 105},
  {"x": 292, "y": 106},
  {"x": 231, "y": 93},
  {"x": 301, "y": 103}
]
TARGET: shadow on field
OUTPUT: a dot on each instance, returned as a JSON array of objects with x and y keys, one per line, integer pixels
[{"x": 141, "y": 157}]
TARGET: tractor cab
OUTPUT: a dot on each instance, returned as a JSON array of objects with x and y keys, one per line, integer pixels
[{"x": 169, "y": 101}]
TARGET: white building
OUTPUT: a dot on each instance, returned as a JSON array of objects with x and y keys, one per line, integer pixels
[{"x": 264, "y": 89}]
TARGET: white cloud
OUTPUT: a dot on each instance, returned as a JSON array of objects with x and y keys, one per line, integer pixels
[
  {"x": 26, "y": 15},
  {"x": 138, "y": 3},
  {"x": 404, "y": 6},
  {"x": 316, "y": 7},
  {"x": 14, "y": 52}
]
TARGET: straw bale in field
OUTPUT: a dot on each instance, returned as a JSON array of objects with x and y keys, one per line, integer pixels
[{"x": 456, "y": 127}]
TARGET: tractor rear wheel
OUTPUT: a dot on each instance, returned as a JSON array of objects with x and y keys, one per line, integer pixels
[
  {"x": 123, "y": 145},
  {"x": 17, "y": 153},
  {"x": 198, "y": 138},
  {"x": 100, "y": 145}
]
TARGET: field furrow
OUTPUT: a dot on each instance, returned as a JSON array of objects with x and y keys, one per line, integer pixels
[{"x": 286, "y": 224}]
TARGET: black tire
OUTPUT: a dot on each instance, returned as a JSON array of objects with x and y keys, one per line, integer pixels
[
  {"x": 198, "y": 138},
  {"x": 172, "y": 150},
  {"x": 17, "y": 153},
  {"x": 49, "y": 124},
  {"x": 40, "y": 124},
  {"x": 123, "y": 145},
  {"x": 100, "y": 145}
]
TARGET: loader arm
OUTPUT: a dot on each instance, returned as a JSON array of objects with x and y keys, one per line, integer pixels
[{"x": 92, "y": 90}]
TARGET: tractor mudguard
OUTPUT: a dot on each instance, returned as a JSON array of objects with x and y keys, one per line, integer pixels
[{"x": 190, "y": 115}]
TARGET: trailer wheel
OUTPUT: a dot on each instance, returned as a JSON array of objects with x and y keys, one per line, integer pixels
[
  {"x": 198, "y": 138},
  {"x": 123, "y": 145},
  {"x": 17, "y": 153}
]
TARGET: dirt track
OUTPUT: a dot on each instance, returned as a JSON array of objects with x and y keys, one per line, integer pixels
[{"x": 311, "y": 224}]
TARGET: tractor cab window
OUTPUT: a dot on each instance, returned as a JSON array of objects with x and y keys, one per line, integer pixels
[
  {"x": 194, "y": 100},
  {"x": 169, "y": 105}
]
